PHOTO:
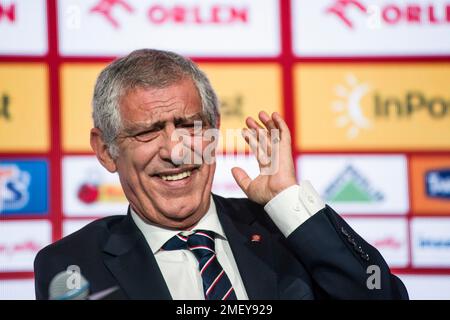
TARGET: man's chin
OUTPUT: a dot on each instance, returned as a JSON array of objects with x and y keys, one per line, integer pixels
[
  {"x": 182, "y": 216},
  {"x": 182, "y": 221}
]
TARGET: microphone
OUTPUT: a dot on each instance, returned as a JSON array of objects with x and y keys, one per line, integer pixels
[
  {"x": 71, "y": 285},
  {"x": 68, "y": 286}
]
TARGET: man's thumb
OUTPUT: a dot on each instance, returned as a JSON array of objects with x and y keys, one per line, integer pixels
[{"x": 242, "y": 178}]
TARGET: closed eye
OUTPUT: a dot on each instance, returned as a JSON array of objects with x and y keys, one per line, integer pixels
[
  {"x": 187, "y": 125},
  {"x": 147, "y": 135}
]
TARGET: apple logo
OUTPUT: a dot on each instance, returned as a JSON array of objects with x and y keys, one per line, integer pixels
[{"x": 88, "y": 193}]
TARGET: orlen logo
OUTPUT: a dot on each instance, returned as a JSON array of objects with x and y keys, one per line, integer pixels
[
  {"x": 438, "y": 183},
  {"x": 8, "y": 13},
  {"x": 340, "y": 9},
  {"x": 356, "y": 117},
  {"x": 105, "y": 7},
  {"x": 215, "y": 14},
  {"x": 389, "y": 14},
  {"x": 160, "y": 14}
]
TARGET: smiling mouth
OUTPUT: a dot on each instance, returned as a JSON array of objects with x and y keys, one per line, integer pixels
[
  {"x": 175, "y": 177},
  {"x": 178, "y": 175}
]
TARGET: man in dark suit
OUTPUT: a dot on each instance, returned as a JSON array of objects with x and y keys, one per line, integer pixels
[{"x": 153, "y": 112}]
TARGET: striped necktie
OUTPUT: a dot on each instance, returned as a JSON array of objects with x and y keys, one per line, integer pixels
[{"x": 216, "y": 285}]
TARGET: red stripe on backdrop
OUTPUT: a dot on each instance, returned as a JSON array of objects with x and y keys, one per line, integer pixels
[
  {"x": 410, "y": 213},
  {"x": 421, "y": 271},
  {"x": 287, "y": 63},
  {"x": 375, "y": 59},
  {"x": 55, "y": 124},
  {"x": 16, "y": 275},
  {"x": 330, "y": 60}
]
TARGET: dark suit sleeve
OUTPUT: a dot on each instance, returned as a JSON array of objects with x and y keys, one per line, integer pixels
[
  {"x": 44, "y": 270},
  {"x": 338, "y": 260},
  {"x": 40, "y": 286}
]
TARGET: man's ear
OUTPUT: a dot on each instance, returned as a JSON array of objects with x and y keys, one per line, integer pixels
[
  {"x": 101, "y": 150},
  {"x": 218, "y": 122}
]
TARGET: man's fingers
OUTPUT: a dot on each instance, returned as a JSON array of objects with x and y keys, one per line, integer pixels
[
  {"x": 267, "y": 121},
  {"x": 258, "y": 146},
  {"x": 242, "y": 178},
  {"x": 281, "y": 124},
  {"x": 253, "y": 124}
]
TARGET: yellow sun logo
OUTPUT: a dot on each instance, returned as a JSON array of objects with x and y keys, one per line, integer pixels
[{"x": 349, "y": 106}]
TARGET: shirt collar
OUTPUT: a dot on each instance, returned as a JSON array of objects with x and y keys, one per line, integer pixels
[{"x": 157, "y": 236}]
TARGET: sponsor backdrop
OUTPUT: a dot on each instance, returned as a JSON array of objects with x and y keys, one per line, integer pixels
[{"x": 364, "y": 86}]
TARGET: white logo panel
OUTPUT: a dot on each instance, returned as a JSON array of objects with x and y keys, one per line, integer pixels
[
  {"x": 431, "y": 242},
  {"x": 427, "y": 287},
  {"x": 189, "y": 27},
  {"x": 358, "y": 183},
  {"x": 370, "y": 28},
  {"x": 23, "y": 27},
  {"x": 17, "y": 289},
  {"x": 90, "y": 190},
  {"x": 20, "y": 241}
]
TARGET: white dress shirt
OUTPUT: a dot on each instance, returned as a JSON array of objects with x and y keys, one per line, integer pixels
[{"x": 288, "y": 210}]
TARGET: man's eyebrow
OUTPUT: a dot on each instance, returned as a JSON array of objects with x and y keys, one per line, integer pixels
[
  {"x": 138, "y": 126},
  {"x": 196, "y": 116}
]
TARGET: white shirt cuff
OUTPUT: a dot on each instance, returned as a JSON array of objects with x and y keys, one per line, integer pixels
[{"x": 293, "y": 206}]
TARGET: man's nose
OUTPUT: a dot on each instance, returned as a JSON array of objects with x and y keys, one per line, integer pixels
[{"x": 172, "y": 146}]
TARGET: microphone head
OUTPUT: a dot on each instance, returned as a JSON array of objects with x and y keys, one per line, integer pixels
[{"x": 68, "y": 285}]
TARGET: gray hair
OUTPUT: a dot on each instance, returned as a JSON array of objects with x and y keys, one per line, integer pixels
[{"x": 145, "y": 68}]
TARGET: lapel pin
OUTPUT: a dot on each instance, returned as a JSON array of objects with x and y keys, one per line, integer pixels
[{"x": 256, "y": 238}]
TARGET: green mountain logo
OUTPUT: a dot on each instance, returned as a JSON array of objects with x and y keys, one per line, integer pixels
[{"x": 351, "y": 186}]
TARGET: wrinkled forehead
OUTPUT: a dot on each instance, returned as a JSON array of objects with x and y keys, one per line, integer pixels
[{"x": 151, "y": 105}]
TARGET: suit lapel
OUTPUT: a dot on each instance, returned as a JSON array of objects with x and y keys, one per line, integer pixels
[
  {"x": 255, "y": 260},
  {"x": 130, "y": 260}
]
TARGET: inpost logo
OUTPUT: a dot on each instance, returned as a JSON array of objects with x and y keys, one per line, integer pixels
[
  {"x": 352, "y": 116},
  {"x": 372, "y": 106},
  {"x": 348, "y": 106}
]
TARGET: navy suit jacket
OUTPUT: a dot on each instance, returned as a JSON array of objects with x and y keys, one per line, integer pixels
[{"x": 322, "y": 258}]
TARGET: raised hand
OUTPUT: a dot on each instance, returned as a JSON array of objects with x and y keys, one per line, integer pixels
[{"x": 272, "y": 146}]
